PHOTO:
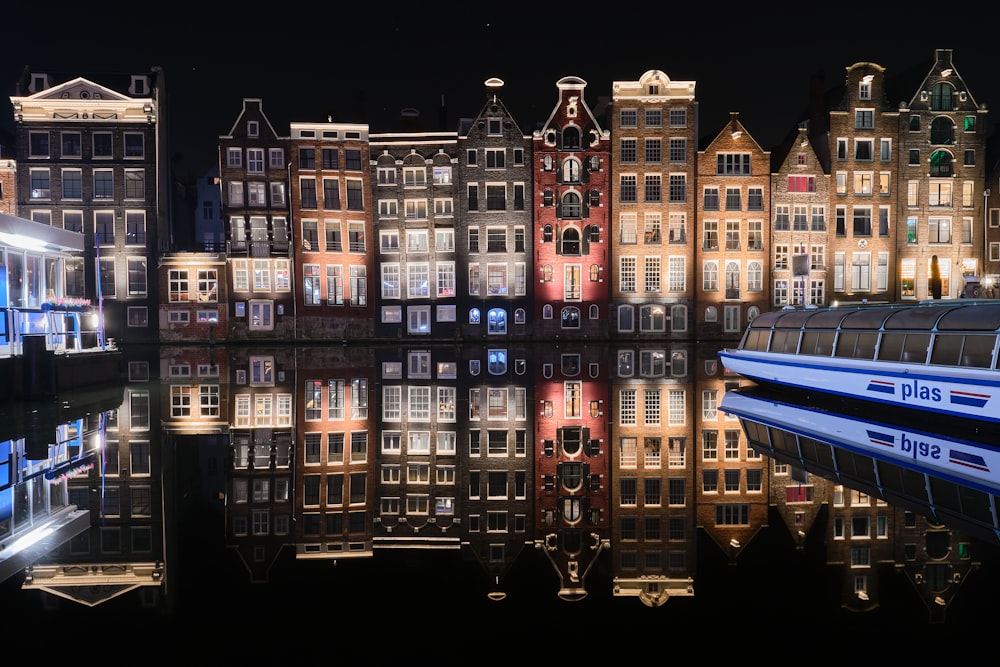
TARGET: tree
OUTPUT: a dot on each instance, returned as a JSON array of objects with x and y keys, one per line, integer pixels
[{"x": 935, "y": 280}]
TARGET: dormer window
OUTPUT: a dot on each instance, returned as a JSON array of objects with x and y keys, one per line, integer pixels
[
  {"x": 941, "y": 97},
  {"x": 571, "y": 138},
  {"x": 140, "y": 85}
]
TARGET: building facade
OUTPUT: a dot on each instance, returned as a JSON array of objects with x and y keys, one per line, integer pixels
[
  {"x": 800, "y": 200},
  {"x": 332, "y": 217},
  {"x": 571, "y": 189},
  {"x": 494, "y": 225},
  {"x": 413, "y": 181},
  {"x": 94, "y": 160},
  {"x": 654, "y": 126},
  {"x": 863, "y": 128},
  {"x": 942, "y": 188},
  {"x": 253, "y": 173},
  {"x": 734, "y": 179}
]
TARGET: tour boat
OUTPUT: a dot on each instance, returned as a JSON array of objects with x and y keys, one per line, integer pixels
[{"x": 934, "y": 356}]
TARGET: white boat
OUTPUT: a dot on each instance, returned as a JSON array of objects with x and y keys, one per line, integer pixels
[{"x": 939, "y": 357}]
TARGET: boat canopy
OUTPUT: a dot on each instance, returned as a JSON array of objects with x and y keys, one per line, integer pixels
[{"x": 951, "y": 317}]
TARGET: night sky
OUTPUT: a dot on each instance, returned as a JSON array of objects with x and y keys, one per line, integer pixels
[{"x": 365, "y": 64}]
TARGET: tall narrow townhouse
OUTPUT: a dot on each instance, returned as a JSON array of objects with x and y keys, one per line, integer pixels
[
  {"x": 94, "y": 159},
  {"x": 494, "y": 233},
  {"x": 654, "y": 130},
  {"x": 572, "y": 461},
  {"x": 335, "y": 435},
  {"x": 420, "y": 503},
  {"x": 734, "y": 180},
  {"x": 654, "y": 456},
  {"x": 495, "y": 480},
  {"x": 264, "y": 501},
  {"x": 800, "y": 195},
  {"x": 942, "y": 165},
  {"x": 253, "y": 172},
  {"x": 571, "y": 163},
  {"x": 863, "y": 128},
  {"x": 732, "y": 497},
  {"x": 332, "y": 218},
  {"x": 413, "y": 174}
]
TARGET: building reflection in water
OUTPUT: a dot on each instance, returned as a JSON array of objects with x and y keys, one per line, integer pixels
[{"x": 569, "y": 470}]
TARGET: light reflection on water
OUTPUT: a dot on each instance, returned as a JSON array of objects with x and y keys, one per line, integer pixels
[{"x": 495, "y": 478}]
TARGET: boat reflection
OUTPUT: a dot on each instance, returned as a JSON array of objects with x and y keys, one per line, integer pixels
[
  {"x": 622, "y": 473},
  {"x": 909, "y": 494}
]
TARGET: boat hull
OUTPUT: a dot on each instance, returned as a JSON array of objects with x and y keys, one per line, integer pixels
[{"x": 951, "y": 391}]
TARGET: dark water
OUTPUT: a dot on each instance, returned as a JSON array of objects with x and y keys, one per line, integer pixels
[{"x": 432, "y": 607}]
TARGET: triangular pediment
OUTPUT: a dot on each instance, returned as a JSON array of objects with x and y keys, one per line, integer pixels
[{"x": 78, "y": 89}]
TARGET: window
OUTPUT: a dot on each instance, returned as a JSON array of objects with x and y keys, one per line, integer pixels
[
  {"x": 72, "y": 184},
  {"x": 102, "y": 143},
  {"x": 732, "y": 164},
  {"x": 711, "y": 199},
  {"x": 653, "y": 151},
  {"x": 651, "y": 189},
  {"x": 627, "y": 188},
  {"x": 414, "y": 177},
  {"x": 496, "y": 197},
  {"x": 135, "y": 146},
  {"x": 627, "y": 151}
]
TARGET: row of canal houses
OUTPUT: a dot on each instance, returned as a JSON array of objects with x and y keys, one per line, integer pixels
[
  {"x": 615, "y": 221},
  {"x": 572, "y": 235}
]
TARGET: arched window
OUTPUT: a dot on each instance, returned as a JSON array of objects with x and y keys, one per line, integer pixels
[
  {"x": 942, "y": 131},
  {"x": 711, "y": 314},
  {"x": 547, "y": 311},
  {"x": 678, "y": 364},
  {"x": 571, "y": 509},
  {"x": 941, "y": 97},
  {"x": 519, "y": 316},
  {"x": 571, "y": 171},
  {"x": 732, "y": 280},
  {"x": 755, "y": 276},
  {"x": 626, "y": 318},
  {"x": 678, "y": 318},
  {"x": 941, "y": 163},
  {"x": 547, "y": 163},
  {"x": 571, "y": 138},
  {"x": 547, "y": 273},
  {"x": 496, "y": 362},
  {"x": 547, "y": 234},
  {"x": 474, "y": 316},
  {"x": 570, "y": 206},
  {"x": 595, "y": 311},
  {"x": 752, "y": 313},
  {"x": 571, "y": 475},
  {"x": 571, "y": 241},
  {"x": 496, "y": 321},
  {"x": 570, "y": 317},
  {"x": 595, "y": 273},
  {"x": 548, "y": 198},
  {"x": 652, "y": 318}
]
